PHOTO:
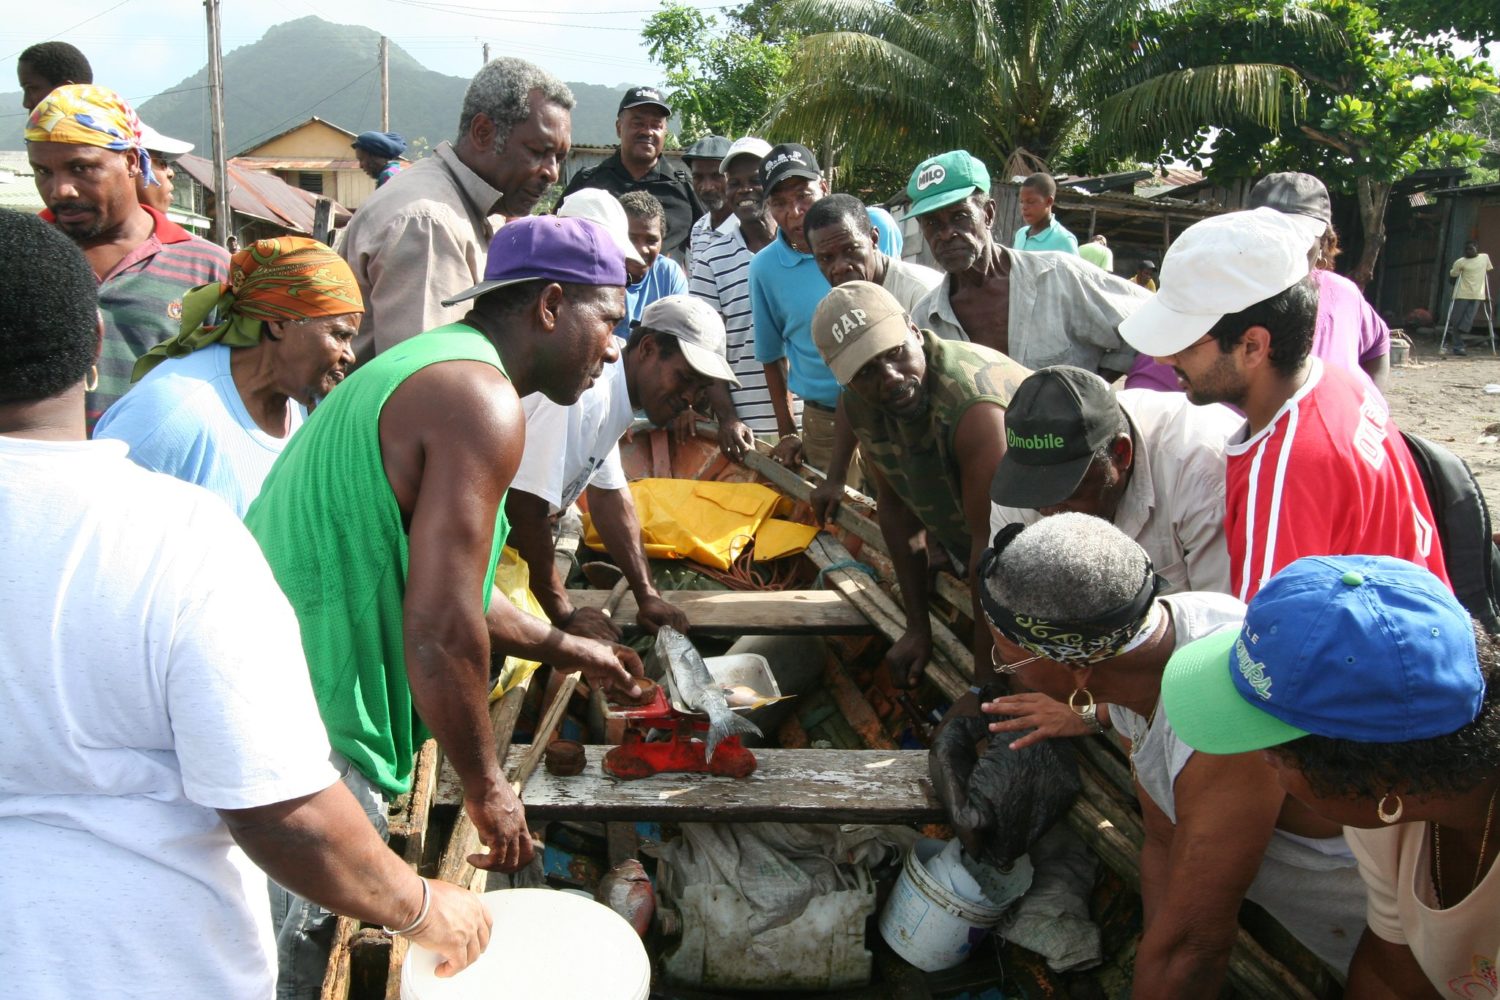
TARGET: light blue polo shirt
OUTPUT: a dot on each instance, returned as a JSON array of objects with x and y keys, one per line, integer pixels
[
  {"x": 664, "y": 277},
  {"x": 1054, "y": 237},
  {"x": 785, "y": 288}
]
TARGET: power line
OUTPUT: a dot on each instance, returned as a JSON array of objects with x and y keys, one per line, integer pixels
[
  {"x": 296, "y": 115},
  {"x": 511, "y": 20},
  {"x": 66, "y": 30}
]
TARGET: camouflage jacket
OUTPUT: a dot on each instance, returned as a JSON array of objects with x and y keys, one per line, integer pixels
[{"x": 918, "y": 457}]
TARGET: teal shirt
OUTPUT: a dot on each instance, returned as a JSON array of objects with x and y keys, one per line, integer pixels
[
  {"x": 331, "y": 530},
  {"x": 1054, "y": 237}
]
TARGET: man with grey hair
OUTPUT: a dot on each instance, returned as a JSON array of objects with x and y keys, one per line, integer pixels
[
  {"x": 424, "y": 239},
  {"x": 1077, "y": 614}
]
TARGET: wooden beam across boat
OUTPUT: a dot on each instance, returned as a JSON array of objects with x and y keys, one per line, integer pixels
[
  {"x": 755, "y": 612},
  {"x": 792, "y": 786}
]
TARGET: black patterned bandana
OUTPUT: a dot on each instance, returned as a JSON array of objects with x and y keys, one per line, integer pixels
[{"x": 1086, "y": 641}]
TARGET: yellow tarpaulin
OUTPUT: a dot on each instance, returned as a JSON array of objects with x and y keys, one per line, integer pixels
[
  {"x": 513, "y": 581},
  {"x": 709, "y": 522}
]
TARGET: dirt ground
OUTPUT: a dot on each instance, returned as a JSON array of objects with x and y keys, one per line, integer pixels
[{"x": 1442, "y": 398}]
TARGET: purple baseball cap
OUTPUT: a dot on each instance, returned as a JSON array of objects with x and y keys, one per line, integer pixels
[{"x": 548, "y": 248}]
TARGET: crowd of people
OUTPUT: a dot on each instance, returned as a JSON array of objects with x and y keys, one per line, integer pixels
[{"x": 253, "y": 508}]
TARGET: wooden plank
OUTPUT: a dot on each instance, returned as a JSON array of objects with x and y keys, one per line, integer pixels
[
  {"x": 336, "y": 978},
  {"x": 796, "y": 786},
  {"x": 785, "y": 612}
]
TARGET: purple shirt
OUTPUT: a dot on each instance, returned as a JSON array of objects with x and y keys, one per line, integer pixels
[{"x": 1347, "y": 332}]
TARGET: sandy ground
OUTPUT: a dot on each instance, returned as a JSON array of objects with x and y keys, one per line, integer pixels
[{"x": 1442, "y": 398}]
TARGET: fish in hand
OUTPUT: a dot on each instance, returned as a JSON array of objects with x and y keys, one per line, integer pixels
[{"x": 698, "y": 689}]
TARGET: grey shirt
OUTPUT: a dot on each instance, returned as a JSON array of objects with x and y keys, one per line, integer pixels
[
  {"x": 418, "y": 240},
  {"x": 1063, "y": 311}
]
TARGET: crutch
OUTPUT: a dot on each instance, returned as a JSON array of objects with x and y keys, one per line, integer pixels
[
  {"x": 1452, "y": 301},
  {"x": 1489, "y": 315}
]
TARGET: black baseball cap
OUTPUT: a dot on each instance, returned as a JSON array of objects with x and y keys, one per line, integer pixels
[
  {"x": 1293, "y": 194},
  {"x": 636, "y": 96},
  {"x": 789, "y": 159},
  {"x": 1057, "y": 419},
  {"x": 715, "y": 147}
]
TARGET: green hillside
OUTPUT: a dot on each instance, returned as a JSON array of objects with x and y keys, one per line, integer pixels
[{"x": 311, "y": 67}]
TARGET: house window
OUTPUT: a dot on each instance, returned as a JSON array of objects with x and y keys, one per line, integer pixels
[{"x": 312, "y": 182}]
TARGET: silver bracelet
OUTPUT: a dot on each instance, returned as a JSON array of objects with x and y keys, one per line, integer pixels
[
  {"x": 416, "y": 924},
  {"x": 1090, "y": 717}
]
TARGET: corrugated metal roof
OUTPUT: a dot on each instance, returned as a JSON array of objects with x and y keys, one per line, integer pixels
[
  {"x": 262, "y": 195},
  {"x": 306, "y": 163}
]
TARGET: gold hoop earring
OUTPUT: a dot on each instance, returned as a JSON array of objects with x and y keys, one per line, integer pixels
[
  {"x": 1084, "y": 711},
  {"x": 1389, "y": 816},
  {"x": 92, "y": 382}
]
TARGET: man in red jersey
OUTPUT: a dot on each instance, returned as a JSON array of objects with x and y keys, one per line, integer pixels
[{"x": 1318, "y": 468}]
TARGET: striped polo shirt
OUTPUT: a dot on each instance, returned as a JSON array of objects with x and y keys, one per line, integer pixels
[
  {"x": 141, "y": 301},
  {"x": 721, "y": 277}
]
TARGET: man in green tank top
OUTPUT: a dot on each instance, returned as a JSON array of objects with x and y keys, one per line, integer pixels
[
  {"x": 930, "y": 418},
  {"x": 384, "y": 518}
]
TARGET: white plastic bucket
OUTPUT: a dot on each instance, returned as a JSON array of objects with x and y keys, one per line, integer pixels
[
  {"x": 544, "y": 943},
  {"x": 927, "y": 924}
]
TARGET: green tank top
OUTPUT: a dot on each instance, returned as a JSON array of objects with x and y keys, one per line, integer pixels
[
  {"x": 330, "y": 528},
  {"x": 917, "y": 457}
]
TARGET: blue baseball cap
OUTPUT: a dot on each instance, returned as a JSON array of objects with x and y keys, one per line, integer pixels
[
  {"x": 549, "y": 248},
  {"x": 389, "y": 144},
  {"x": 1365, "y": 648}
]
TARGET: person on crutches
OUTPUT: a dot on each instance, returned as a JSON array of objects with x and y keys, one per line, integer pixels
[{"x": 1470, "y": 274}]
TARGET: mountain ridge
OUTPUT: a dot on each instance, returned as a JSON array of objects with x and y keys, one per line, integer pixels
[{"x": 331, "y": 71}]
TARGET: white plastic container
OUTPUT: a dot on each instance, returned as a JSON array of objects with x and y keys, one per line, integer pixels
[
  {"x": 544, "y": 943},
  {"x": 928, "y": 924}
]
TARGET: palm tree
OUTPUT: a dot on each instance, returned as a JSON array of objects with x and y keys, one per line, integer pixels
[{"x": 1016, "y": 82}]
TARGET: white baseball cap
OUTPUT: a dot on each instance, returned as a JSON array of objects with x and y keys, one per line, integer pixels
[
  {"x": 598, "y": 205},
  {"x": 1220, "y": 266},
  {"x": 750, "y": 145},
  {"x": 155, "y": 142},
  {"x": 699, "y": 331}
]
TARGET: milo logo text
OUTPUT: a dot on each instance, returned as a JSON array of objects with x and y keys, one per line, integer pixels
[
  {"x": 931, "y": 174},
  {"x": 1032, "y": 442}
]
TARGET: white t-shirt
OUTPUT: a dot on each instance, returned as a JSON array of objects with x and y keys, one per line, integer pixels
[
  {"x": 186, "y": 418},
  {"x": 570, "y": 447},
  {"x": 1458, "y": 948},
  {"x": 150, "y": 672},
  {"x": 909, "y": 283}
]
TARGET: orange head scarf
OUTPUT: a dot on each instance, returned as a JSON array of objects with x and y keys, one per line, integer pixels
[{"x": 288, "y": 278}]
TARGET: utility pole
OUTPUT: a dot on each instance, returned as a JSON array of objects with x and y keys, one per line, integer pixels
[
  {"x": 222, "y": 211},
  {"x": 486, "y": 53},
  {"x": 385, "y": 84}
]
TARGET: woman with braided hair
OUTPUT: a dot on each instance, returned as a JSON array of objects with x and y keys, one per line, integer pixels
[{"x": 1372, "y": 695}]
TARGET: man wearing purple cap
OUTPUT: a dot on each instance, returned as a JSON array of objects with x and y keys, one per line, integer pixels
[{"x": 383, "y": 522}]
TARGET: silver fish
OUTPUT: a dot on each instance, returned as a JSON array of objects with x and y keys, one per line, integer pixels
[{"x": 698, "y": 689}]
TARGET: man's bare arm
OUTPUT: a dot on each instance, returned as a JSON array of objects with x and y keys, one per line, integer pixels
[
  {"x": 614, "y": 518},
  {"x": 531, "y": 536}
]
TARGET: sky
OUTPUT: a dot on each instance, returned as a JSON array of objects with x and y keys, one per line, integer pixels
[{"x": 141, "y": 47}]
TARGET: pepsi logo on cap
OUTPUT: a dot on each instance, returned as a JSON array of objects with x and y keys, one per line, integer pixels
[{"x": 931, "y": 174}]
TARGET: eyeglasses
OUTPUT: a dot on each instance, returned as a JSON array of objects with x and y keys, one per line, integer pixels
[{"x": 1009, "y": 668}]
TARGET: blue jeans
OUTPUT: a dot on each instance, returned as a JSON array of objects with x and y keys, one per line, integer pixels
[{"x": 304, "y": 930}]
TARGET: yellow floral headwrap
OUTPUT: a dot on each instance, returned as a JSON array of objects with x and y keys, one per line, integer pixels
[
  {"x": 87, "y": 115},
  {"x": 288, "y": 278}
]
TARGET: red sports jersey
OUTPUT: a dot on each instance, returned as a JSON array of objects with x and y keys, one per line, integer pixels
[{"x": 1329, "y": 476}]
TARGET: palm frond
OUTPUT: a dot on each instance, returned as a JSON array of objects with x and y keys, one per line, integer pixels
[{"x": 1141, "y": 119}]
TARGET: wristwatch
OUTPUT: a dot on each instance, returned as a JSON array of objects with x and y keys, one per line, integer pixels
[{"x": 1090, "y": 717}]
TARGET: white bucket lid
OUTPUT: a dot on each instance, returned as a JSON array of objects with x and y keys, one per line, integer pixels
[{"x": 544, "y": 943}]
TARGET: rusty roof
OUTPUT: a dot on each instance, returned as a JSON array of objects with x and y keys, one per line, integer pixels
[{"x": 263, "y": 196}]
